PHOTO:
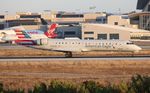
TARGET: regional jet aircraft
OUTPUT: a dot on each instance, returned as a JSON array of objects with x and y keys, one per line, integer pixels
[{"x": 68, "y": 45}]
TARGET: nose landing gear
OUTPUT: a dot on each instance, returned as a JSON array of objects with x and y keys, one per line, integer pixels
[{"x": 68, "y": 54}]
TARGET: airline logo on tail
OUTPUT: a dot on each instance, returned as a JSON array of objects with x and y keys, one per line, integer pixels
[{"x": 51, "y": 31}]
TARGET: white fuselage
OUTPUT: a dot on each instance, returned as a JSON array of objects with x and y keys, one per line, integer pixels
[{"x": 78, "y": 45}]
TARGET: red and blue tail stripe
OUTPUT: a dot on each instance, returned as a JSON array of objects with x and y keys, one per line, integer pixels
[{"x": 21, "y": 34}]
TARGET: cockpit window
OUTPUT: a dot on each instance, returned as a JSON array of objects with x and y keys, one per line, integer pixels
[{"x": 130, "y": 43}]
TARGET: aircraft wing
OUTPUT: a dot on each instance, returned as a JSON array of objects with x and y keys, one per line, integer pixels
[
  {"x": 71, "y": 49},
  {"x": 67, "y": 49}
]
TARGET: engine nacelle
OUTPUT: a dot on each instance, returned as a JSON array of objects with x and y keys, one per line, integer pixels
[{"x": 43, "y": 41}]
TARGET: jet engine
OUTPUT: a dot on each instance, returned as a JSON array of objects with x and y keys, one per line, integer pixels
[{"x": 43, "y": 41}]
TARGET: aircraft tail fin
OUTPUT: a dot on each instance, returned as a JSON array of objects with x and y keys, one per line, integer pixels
[
  {"x": 44, "y": 22},
  {"x": 50, "y": 33}
]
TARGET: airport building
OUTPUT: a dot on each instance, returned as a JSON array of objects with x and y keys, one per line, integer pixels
[
  {"x": 64, "y": 31},
  {"x": 61, "y": 18},
  {"x": 112, "y": 32},
  {"x": 142, "y": 19},
  {"x": 2, "y": 22},
  {"x": 120, "y": 20},
  {"x": 26, "y": 19},
  {"x": 68, "y": 18},
  {"x": 103, "y": 32},
  {"x": 95, "y": 17},
  {"x": 65, "y": 18}
]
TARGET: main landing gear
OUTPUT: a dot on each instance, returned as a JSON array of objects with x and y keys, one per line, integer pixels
[
  {"x": 132, "y": 54},
  {"x": 68, "y": 54}
]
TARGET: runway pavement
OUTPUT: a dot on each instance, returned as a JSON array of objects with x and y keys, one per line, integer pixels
[
  {"x": 10, "y": 46},
  {"x": 56, "y": 58}
]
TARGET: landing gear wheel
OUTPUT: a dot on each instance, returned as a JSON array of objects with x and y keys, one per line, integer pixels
[
  {"x": 68, "y": 54},
  {"x": 132, "y": 54}
]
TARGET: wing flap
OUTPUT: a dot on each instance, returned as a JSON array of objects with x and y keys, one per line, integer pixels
[{"x": 67, "y": 49}]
